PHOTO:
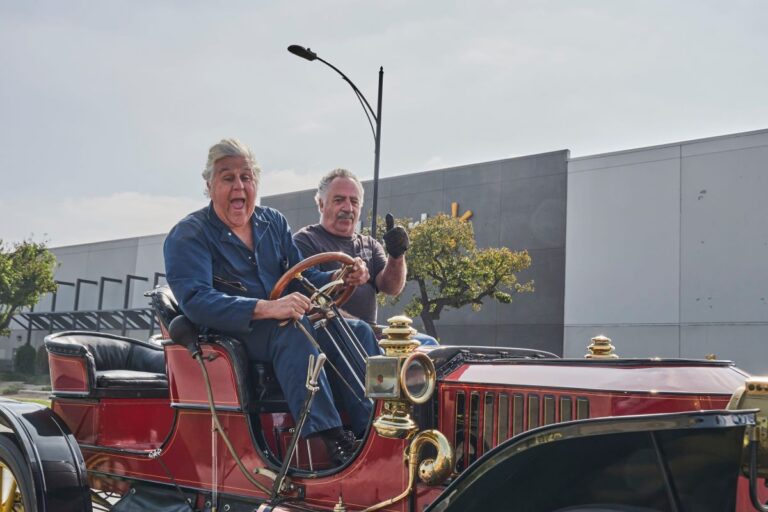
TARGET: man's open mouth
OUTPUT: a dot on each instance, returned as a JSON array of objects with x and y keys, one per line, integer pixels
[{"x": 238, "y": 203}]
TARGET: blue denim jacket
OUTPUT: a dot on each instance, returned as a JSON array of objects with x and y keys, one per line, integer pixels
[{"x": 217, "y": 279}]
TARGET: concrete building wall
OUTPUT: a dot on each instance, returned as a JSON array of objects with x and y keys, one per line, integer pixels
[
  {"x": 667, "y": 249},
  {"x": 518, "y": 203},
  {"x": 140, "y": 256}
]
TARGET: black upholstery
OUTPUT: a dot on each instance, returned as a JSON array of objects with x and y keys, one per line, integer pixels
[
  {"x": 116, "y": 365},
  {"x": 129, "y": 379},
  {"x": 164, "y": 305}
]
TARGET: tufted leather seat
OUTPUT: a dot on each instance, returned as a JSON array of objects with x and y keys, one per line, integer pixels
[{"x": 114, "y": 365}]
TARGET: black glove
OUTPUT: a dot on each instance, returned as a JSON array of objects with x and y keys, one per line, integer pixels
[{"x": 396, "y": 239}]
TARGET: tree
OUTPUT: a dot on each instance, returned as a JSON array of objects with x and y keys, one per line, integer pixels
[
  {"x": 26, "y": 273},
  {"x": 451, "y": 272}
]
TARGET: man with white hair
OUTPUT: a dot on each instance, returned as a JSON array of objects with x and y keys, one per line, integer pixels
[
  {"x": 223, "y": 261},
  {"x": 339, "y": 200}
]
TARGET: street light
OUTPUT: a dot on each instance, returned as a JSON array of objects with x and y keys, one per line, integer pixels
[{"x": 306, "y": 53}]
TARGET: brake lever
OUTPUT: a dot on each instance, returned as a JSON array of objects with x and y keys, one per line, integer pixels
[{"x": 321, "y": 296}]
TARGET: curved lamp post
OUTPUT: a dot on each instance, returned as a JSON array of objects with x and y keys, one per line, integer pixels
[{"x": 306, "y": 53}]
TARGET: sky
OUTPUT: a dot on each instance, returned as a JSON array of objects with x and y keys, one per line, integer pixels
[{"x": 107, "y": 109}]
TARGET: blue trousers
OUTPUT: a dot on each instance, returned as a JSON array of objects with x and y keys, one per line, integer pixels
[
  {"x": 425, "y": 339},
  {"x": 288, "y": 350}
]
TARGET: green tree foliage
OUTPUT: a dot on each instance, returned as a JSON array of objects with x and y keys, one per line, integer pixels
[
  {"x": 24, "y": 360},
  {"x": 26, "y": 273},
  {"x": 451, "y": 272}
]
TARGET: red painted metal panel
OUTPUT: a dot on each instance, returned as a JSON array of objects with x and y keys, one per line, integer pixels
[
  {"x": 186, "y": 382},
  {"x": 136, "y": 424},
  {"x": 67, "y": 373},
  {"x": 126, "y": 423},
  {"x": 80, "y": 415},
  {"x": 188, "y": 457}
]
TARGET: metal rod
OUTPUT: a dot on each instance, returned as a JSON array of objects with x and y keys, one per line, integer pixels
[
  {"x": 346, "y": 343},
  {"x": 101, "y": 297},
  {"x": 313, "y": 372},
  {"x": 77, "y": 290},
  {"x": 376, "y": 156},
  {"x": 343, "y": 357},
  {"x": 351, "y": 335}
]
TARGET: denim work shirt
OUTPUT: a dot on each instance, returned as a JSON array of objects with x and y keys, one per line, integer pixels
[{"x": 217, "y": 279}]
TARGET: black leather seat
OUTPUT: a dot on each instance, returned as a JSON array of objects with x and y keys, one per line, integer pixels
[{"x": 116, "y": 366}]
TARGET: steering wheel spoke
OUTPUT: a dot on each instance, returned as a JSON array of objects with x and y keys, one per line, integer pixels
[{"x": 334, "y": 292}]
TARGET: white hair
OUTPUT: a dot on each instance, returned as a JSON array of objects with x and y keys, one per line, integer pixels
[
  {"x": 325, "y": 182},
  {"x": 229, "y": 147}
]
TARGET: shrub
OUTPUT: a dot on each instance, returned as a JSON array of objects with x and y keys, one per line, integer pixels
[
  {"x": 13, "y": 389},
  {"x": 41, "y": 362},
  {"x": 24, "y": 362}
]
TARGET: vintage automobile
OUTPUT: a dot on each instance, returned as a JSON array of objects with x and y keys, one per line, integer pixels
[{"x": 182, "y": 423}]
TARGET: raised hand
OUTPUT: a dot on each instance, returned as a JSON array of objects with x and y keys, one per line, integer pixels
[{"x": 396, "y": 239}]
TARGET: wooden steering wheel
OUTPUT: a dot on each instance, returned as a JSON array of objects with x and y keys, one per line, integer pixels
[{"x": 340, "y": 294}]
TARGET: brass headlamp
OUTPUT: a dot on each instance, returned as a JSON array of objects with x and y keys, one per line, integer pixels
[
  {"x": 401, "y": 377},
  {"x": 754, "y": 395}
]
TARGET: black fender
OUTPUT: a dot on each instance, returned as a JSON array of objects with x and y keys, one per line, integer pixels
[
  {"x": 677, "y": 461},
  {"x": 52, "y": 455}
]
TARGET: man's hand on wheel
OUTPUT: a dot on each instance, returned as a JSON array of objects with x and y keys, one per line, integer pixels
[
  {"x": 396, "y": 239},
  {"x": 291, "y": 307},
  {"x": 357, "y": 275}
]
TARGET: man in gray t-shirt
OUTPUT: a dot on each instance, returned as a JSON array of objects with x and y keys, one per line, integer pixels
[
  {"x": 315, "y": 239},
  {"x": 339, "y": 199}
]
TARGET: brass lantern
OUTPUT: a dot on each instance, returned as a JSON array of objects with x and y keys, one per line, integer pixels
[{"x": 401, "y": 377}]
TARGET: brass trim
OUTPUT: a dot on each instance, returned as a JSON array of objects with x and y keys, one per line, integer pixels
[
  {"x": 502, "y": 423},
  {"x": 566, "y": 408},
  {"x": 432, "y": 471},
  {"x": 474, "y": 426},
  {"x": 534, "y": 416},
  {"x": 601, "y": 348},
  {"x": 399, "y": 337},
  {"x": 429, "y": 367},
  {"x": 395, "y": 425},
  {"x": 460, "y": 429},
  {"x": 518, "y": 414},
  {"x": 582, "y": 408},
  {"x": 549, "y": 409},
  {"x": 488, "y": 421}
]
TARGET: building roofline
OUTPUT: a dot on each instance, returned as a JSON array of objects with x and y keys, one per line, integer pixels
[
  {"x": 671, "y": 144},
  {"x": 113, "y": 240}
]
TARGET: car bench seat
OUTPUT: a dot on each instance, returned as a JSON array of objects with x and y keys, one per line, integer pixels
[
  {"x": 96, "y": 365},
  {"x": 257, "y": 385}
]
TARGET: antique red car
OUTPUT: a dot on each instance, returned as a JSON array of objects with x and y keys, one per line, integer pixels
[{"x": 182, "y": 423}]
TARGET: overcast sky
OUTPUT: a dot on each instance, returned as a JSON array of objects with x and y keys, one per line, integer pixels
[{"x": 107, "y": 109}]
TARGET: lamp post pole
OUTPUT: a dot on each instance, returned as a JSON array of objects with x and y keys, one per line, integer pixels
[{"x": 308, "y": 54}]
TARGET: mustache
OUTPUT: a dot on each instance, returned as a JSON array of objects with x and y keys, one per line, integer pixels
[{"x": 346, "y": 216}]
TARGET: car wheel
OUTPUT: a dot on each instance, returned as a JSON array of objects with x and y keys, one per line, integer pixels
[{"x": 16, "y": 489}]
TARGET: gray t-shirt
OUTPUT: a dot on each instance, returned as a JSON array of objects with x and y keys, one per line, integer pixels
[{"x": 315, "y": 239}]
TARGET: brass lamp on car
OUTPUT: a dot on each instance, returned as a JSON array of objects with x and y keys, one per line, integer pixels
[
  {"x": 754, "y": 395},
  {"x": 401, "y": 377}
]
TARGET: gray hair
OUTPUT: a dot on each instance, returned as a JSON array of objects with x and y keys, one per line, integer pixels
[
  {"x": 325, "y": 182},
  {"x": 230, "y": 147}
]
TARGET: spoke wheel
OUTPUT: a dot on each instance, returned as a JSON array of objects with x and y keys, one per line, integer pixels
[{"x": 15, "y": 480}]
